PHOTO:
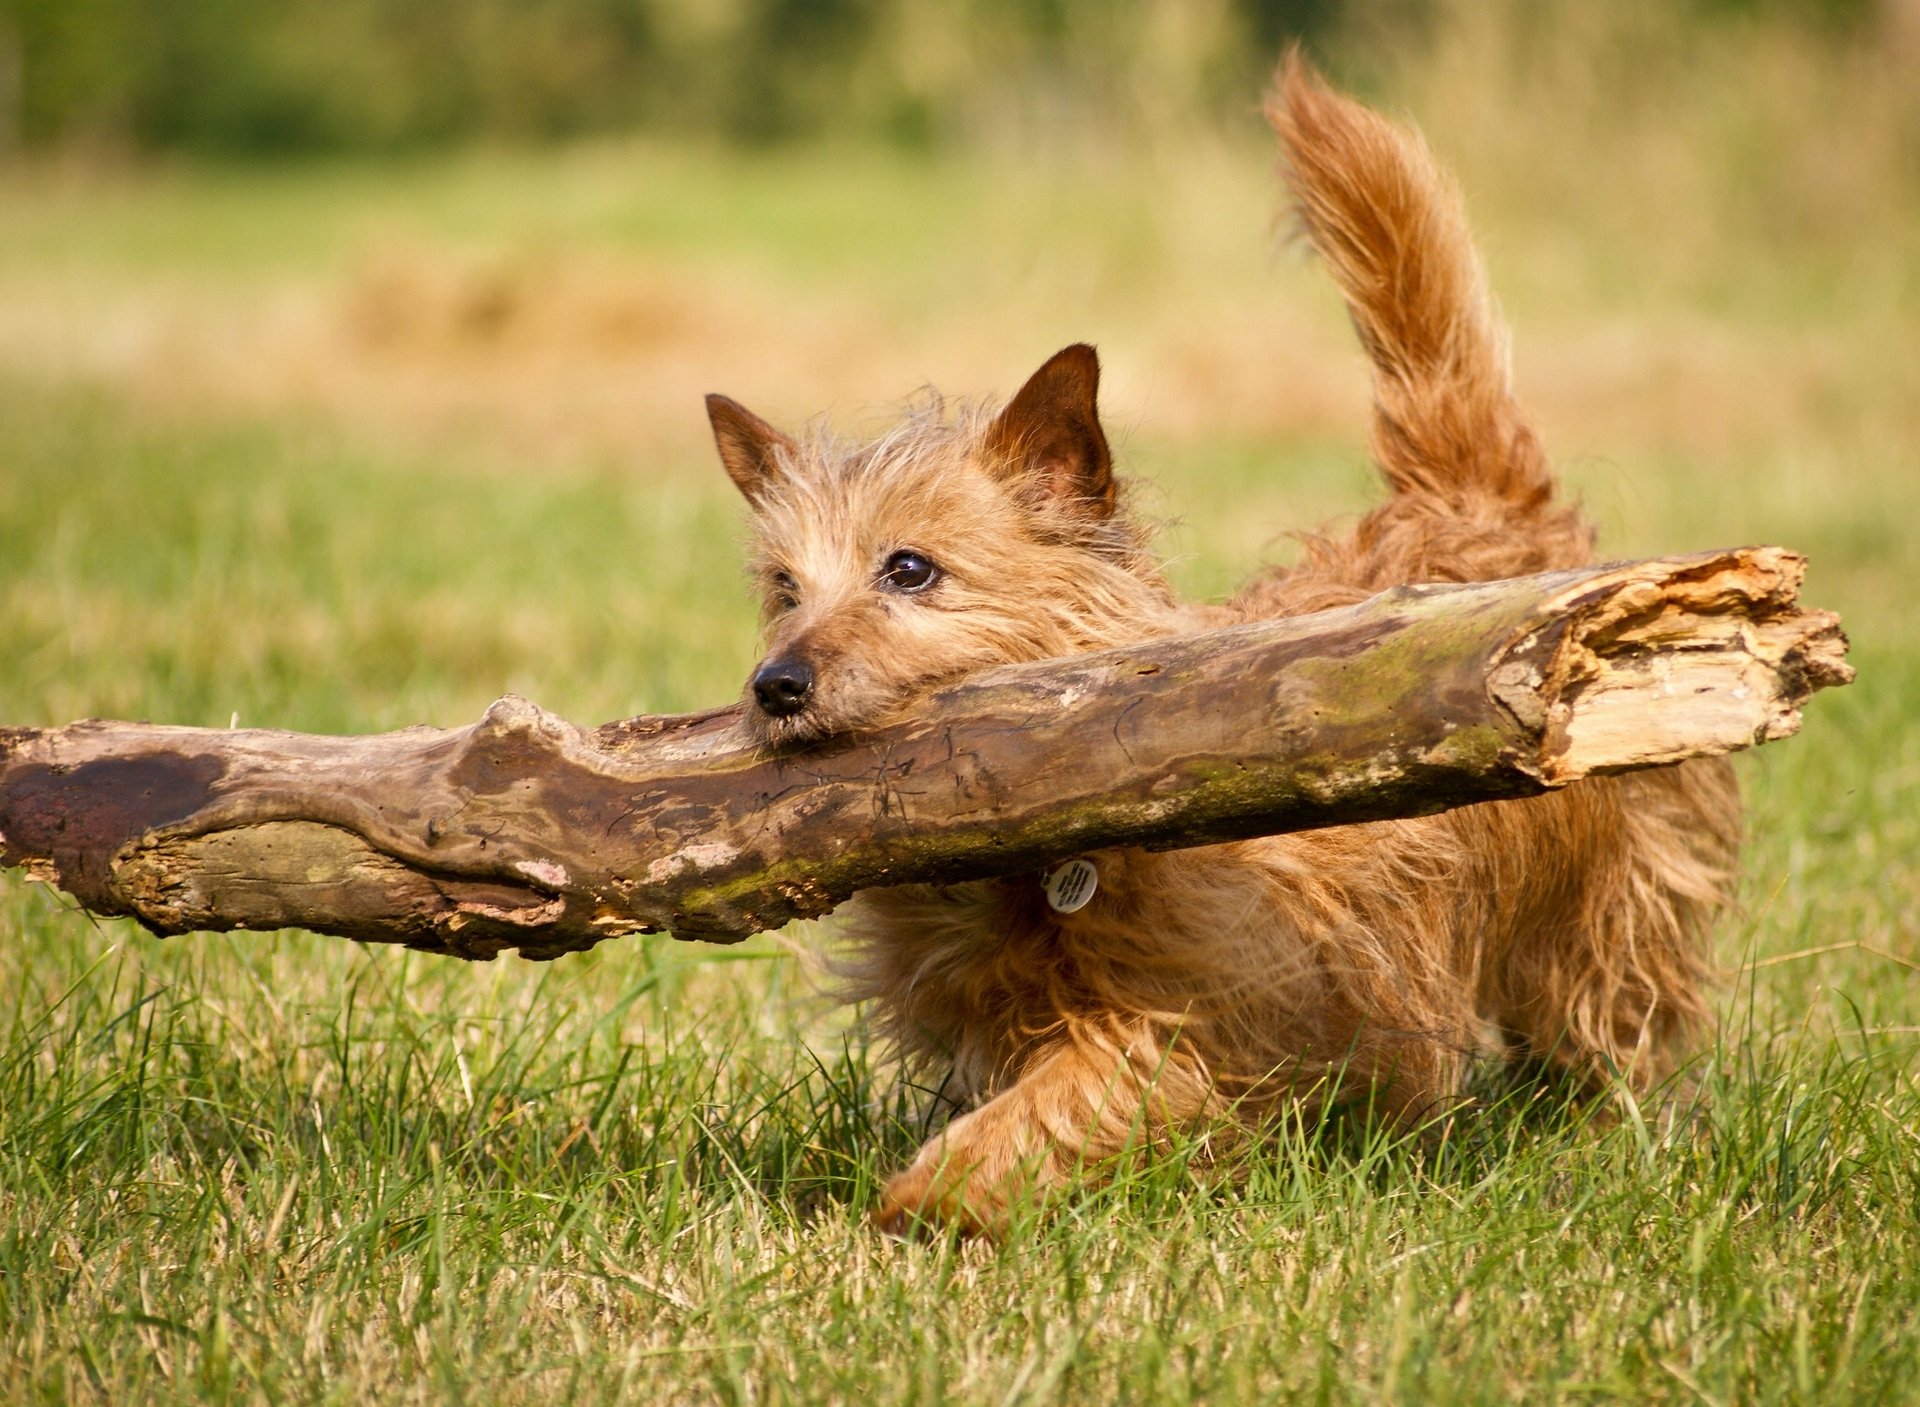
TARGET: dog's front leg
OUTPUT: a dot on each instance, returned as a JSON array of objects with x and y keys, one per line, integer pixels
[{"x": 1077, "y": 1105}]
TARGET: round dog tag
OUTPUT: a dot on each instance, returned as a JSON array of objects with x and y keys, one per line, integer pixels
[{"x": 1071, "y": 885}]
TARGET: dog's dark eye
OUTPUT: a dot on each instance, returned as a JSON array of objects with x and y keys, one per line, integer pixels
[
  {"x": 786, "y": 591},
  {"x": 908, "y": 571}
]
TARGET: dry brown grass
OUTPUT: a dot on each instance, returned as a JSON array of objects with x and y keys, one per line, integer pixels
[{"x": 581, "y": 355}]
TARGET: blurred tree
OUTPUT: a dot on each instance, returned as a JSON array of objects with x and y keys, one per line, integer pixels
[{"x": 276, "y": 76}]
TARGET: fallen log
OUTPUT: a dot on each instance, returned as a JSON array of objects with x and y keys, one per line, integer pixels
[{"x": 524, "y": 831}]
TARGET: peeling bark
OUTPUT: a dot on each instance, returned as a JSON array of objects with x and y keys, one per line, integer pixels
[{"x": 526, "y": 832}]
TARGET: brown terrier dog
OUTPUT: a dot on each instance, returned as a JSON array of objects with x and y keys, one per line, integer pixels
[{"x": 1221, "y": 982}]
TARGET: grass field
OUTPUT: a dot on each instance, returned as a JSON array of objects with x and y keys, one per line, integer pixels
[{"x": 352, "y": 447}]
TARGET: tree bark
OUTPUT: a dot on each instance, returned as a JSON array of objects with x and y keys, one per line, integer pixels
[{"x": 526, "y": 832}]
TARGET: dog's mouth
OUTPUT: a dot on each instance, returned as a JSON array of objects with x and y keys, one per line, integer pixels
[{"x": 790, "y": 730}]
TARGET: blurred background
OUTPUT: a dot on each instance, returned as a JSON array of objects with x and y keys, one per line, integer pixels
[
  {"x": 533, "y": 231},
  {"x": 537, "y": 229}
]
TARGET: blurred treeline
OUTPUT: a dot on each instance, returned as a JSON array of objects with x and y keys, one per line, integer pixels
[{"x": 271, "y": 77}]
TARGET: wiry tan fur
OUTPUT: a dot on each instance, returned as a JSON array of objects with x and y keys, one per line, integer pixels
[{"x": 1223, "y": 982}]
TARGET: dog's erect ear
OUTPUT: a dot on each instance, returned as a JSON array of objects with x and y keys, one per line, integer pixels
[
  {"x": 748, "y": 445},
  {"x": 1050, "y": 433}
]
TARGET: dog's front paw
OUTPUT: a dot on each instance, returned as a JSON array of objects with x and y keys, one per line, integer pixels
[
  {"x": 909, "y": 1209},
  {"x": 966, "y": 1180},
  {"x": 932, "y": 1194}
]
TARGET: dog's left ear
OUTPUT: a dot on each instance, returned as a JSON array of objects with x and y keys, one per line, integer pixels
[
  {"x": 750, "y": 449},
  {"x": 1050, "y": 437}
]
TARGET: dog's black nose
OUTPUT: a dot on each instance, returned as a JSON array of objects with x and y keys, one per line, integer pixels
[{"x": 782, "y": 686}]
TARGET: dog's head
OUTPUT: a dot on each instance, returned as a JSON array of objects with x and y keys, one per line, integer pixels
[{"x": 953, "y": 542}]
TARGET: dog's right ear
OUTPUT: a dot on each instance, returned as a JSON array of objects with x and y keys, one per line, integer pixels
[{"x": 749, "y": 447}]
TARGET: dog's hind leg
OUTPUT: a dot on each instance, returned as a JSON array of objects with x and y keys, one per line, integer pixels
[{"x": 1614, "y": 978}]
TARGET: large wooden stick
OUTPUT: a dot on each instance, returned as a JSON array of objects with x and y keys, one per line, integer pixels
[{"x": 524, "y": 831}]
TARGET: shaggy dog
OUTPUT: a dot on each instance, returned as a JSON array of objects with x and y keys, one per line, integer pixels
[{"x": 1226, "y": 982}]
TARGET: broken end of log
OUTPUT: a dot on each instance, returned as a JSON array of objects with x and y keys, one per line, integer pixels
[{"x": 1647, "y": 664}]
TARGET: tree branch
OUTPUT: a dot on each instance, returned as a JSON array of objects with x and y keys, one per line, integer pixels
[{"x": 524, "y": 831}]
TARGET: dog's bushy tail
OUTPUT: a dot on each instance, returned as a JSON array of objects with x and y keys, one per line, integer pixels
[{"x": 1392, "y": 229}]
